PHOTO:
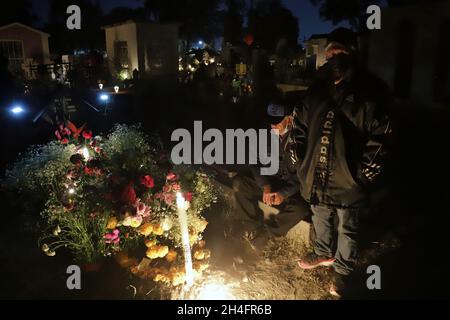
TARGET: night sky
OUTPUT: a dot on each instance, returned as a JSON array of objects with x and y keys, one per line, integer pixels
[{"x": 307, "y": 14}]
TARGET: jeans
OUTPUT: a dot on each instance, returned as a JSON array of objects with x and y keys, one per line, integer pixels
[{"x": 347, "y": 232}]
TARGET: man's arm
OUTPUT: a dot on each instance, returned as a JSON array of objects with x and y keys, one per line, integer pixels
[
  {"x": 376, "y": 150},
  {"x": 300, "y": 132}
]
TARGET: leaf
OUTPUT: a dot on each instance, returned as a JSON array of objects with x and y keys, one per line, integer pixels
[{"x": 75, "y": 131}]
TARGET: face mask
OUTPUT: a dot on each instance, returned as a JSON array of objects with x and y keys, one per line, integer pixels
[{"x": 339, "y": 66}]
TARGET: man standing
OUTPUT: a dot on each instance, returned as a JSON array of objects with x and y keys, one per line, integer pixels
[
  {"x": 341, "y": 131},
  {"x": 280, "y": 191}
]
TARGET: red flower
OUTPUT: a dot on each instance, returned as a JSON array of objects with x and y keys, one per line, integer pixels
[
  {"x": 188, "y": 196},
  {"x": 87, "y": 134},
  {"x": 65, "y": 141},
  {"x": 171, "y": 176},
  {"x": 89, "y": 171},
  {"x": 128, "y": 194},
  {"x": 148, "y": 181}
]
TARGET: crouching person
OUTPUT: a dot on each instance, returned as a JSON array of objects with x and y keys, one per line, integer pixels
[{"x": 280, "y": 191}]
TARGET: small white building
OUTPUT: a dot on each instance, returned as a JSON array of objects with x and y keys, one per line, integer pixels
[
  {"x": 150, "y": 48},
  {"x": 411, "y": 53},
  {"x": 23, "y": 46},
  {"x": 315, "y": 51}
]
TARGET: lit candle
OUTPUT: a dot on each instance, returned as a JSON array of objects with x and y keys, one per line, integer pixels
[
  {"x": 182, "y": 217},
  {"x": 86, "y": 153}
]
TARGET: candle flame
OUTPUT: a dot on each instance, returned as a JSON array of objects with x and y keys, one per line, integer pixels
[{"x": 86, "y": 153}]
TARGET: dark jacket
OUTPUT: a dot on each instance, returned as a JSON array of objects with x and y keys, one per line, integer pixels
[
  {"x": 341, "y": 134},
  {"x": 285, "y": 181}
]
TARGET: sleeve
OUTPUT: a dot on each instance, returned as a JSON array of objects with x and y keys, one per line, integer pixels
[
  {"x": 376, "y": 149},
  {"x": 300, "y": 132},
  {"x": 292, "y": 187},
  {"x": 260, "y": 179}
]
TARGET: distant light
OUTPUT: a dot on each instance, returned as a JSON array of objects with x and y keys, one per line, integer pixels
[
  {"x": 200, "y": 43},
  {"x": 104, "y": 97},
  {"x": 116, "y": 89},
  {"x": 71, "y": 191},
  {"x": 17, "y": 110},
  {"x": 124, "y": 75},
  {"x": 100, "y": 86}
]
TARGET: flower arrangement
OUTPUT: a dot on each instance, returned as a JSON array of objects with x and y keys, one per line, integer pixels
[{"x": 115, "y": 195}]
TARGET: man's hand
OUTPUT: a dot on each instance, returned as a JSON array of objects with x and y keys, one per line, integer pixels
[
  {"x": 267, "y": 199},
  {"x": 276, "y": 198}
]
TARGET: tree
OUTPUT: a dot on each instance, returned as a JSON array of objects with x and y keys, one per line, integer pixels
[
  {"x": 271, "y": 22},
  {"x": 397, "y": 3},
  {"x": 90, "y": 36},
  {"x": 352, "y": 11},
  {"x": 198, "y": 19},
  {"x": 121, "y": 14},
  {"x": 17, "y": 11},
  {"x": 233, "y": 20}
]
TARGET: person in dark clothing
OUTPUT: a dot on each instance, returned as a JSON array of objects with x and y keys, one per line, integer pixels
[
  {"x": 280, "y": 191},
  {"x": 341, "y": 132}
]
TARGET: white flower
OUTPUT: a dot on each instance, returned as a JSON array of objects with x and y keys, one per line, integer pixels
[
  {"x": 51, "y": 253},
  {"x": 57, "y": 231},
  {"x": 167, "y": 224},
  {"x": 45, "y": 247}
]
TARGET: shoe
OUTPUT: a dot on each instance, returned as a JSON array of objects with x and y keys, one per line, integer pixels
[
  {"x": 313, "y": 260},
  {"x": 338, "y": 285}
]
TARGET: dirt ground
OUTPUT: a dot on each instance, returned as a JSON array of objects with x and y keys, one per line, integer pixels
[{"x": 271, "y": 273}]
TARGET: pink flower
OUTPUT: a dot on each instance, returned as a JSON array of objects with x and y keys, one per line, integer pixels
[
  {"x": 142, "y": 209},
  {"x": 58, "y": 135},
  {"x": 176, "y": 187},
  {"x": 167, "y": 188},
  {"x": 168, "y": 198},
  {"x": 171, "y": 176},
  {"x": 159, "y": 196},
  {"x": 112, "y": 237},
  {"x": 148, "y": 181}
]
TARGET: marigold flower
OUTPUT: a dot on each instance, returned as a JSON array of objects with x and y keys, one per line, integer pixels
[
  {"x": 112, "y": 223},
  {"x": 146, "y": 229}
]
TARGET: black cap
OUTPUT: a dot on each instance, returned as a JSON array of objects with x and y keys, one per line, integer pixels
[
  {"x": 343, "y": 36},
  {"x": 276, "y": 111}
]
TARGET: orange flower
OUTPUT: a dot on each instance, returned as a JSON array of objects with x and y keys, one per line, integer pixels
[
  {"x": 146, "y": 229},
  {"x": 112, "y": 223},
  {"x": 171, "y": 256}
]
